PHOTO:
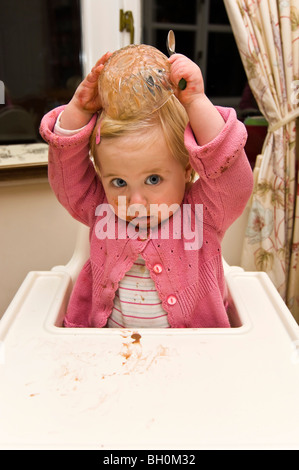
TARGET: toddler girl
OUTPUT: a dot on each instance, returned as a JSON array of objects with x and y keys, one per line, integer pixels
[{"x": 131, "y": 140}]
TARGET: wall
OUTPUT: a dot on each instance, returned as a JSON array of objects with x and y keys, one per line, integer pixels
[{"x": 36, "y": 233}]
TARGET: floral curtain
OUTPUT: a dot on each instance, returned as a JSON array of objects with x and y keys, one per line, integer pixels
[{"x": 267, "y": 35}]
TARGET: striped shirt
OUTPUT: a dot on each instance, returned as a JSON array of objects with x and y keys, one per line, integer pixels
[{"x": 137, "y": 303}]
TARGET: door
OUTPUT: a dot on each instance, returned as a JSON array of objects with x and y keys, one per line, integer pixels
[{"x": 101, "y": 28}]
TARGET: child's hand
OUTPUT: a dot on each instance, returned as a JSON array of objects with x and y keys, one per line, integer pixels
[
  {"x": 182, "y": 67},
  {"x": 204, "y": 118},
  {"x": 86, "y": 95},
  {"x": 86, "y": 100}
]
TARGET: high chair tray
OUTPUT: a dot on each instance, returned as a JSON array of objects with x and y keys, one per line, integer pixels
[{"x": 148, "y": 389}]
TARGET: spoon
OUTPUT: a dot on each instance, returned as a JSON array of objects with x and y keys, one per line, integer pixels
[{"x": 170, "y": 44}]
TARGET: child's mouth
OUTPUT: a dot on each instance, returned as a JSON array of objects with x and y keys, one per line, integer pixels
[{"x": 143, "y": 221}]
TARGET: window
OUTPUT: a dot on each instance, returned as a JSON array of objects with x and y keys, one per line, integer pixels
[
  {"x": 203, "y": 33},
  {"x": 40, "y": 63}
]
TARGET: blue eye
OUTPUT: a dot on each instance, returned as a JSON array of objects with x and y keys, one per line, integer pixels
[
  {"x": 153, "y": 179},
  {"x": 118, "y": 182}
]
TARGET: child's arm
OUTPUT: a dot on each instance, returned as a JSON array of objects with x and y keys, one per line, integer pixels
[
  {"x": 217, "y": 155},
  {"x": 85, "y": 102},
  {"x": 205, "y": 120},
  {"x": 71, "y": 173},
  {"x": 225, "y": 178}
]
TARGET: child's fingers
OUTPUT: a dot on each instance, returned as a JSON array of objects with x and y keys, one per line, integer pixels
[
  {"x": 98, "y": 67},
  {"x": 95, "y": 73},
  {"x": 181, "y": 64},
  {"x": 103, "y": 59},
  {"x": 182, "y": 67},
  {"x": 179, "y": 68},
  {"x": 175, "y": 57}
]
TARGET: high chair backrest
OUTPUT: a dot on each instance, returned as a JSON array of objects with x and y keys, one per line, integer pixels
[{"x": 80, "y": 253}]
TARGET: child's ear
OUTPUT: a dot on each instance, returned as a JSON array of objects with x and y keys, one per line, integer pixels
[{"x": 188, "y": 171}]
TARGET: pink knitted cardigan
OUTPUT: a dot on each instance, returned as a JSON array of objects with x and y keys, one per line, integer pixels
[{"x": 190, "y": 283}]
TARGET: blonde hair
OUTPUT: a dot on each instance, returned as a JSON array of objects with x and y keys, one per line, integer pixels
[{"x": 171, "y": 118}]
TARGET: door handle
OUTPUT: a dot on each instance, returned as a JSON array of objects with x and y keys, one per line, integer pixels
[{"x": 126, "y": 22}]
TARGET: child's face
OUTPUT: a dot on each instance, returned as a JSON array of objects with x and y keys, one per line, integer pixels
[{"x": 143, "y": 171}]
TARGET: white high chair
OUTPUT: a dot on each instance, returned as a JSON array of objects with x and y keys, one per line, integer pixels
[{"x": 148, "y": 389}]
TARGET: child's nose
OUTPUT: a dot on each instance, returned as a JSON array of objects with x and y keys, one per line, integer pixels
[{"x": 137, "y": 197}]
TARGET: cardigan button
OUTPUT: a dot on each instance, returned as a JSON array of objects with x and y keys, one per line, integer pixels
[
  {"x": 157, "y": 268},
  {"x": 171, "y": 300}
]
